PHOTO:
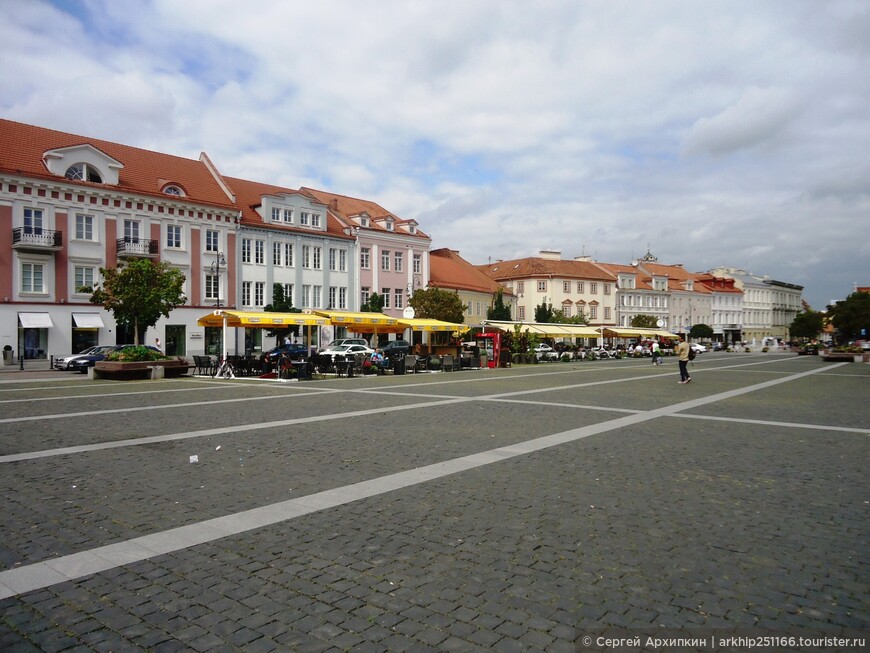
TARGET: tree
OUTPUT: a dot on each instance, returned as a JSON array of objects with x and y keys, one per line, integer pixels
[
  {"x": 701, "y": 331},
  {"x": 139, "y": 292},
  {"x": 438, "y": 304},
  {"x": 499, "y": 310},
  {"x": 375, "y": 304},
  {"x": 644, "y": 322},
  {"x": 807, "y": 324},
  {"x": 544, "y": 313},
  {"x": 281, "y": 304},
  {"x": 851, "y": 315}
]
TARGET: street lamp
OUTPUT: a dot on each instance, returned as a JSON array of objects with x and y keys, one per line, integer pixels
[{"x": 216, "y": 265}]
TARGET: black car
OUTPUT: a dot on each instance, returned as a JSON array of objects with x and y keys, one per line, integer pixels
[
  {"x": 293, "y": 350},
  {"x": 396, "y": 348},
  {"x": 82, "y": 363}
]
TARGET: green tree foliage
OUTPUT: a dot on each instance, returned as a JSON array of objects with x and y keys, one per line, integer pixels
[
  {"x": 701, "y": 331},
  {"x": 807, "y": 324},
  {"x": 138, "y": 293},
  {"x": 438, "y": 304},
  {"x": 499, "y": 310},
  {"x": 559, "y": 318},
  {"x": 544, "y": 313},
  {"x": 851, "y": 315},
  {"x": 281, "y": 304},
  {"x": 375, "y": 304},
  {"x": 644, "y": 321}
]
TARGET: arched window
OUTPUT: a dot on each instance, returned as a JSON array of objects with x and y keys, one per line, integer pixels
[
  {"x": 84, "y": 172},
  {"x": 172, "y": 189}
]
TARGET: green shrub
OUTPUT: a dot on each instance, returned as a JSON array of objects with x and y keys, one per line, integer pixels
[{"x": 135, "y": 354}]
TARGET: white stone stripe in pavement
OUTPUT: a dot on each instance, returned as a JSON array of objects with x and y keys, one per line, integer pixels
[{"x": 78, "y": 565}]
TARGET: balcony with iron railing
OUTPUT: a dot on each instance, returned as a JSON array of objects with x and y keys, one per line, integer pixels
[
  {"x": 37, "y": 239},
  {"x": 132, "y": 247}
]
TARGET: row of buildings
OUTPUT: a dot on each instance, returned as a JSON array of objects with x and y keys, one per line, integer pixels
[{"x": 71, "y": 204}]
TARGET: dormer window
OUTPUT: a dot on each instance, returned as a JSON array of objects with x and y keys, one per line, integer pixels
[
  {"x": 173, "y": 190},
  {"x": 84, "y": 172},
  {"x": 363, "y": 222}
]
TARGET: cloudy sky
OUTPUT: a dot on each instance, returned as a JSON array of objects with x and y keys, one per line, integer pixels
[{"x": 713, "y": 133}]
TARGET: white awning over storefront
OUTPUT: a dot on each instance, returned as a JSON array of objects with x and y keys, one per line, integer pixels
[
  {"x": 88, "y": 320},
  {"x": 35, "y": 320}
]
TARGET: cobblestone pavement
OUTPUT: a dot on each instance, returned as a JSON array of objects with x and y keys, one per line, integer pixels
[{"x": 507, "y": 510}]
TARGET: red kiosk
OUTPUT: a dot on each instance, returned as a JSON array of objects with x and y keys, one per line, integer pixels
[{"x": 490, "y": 342}]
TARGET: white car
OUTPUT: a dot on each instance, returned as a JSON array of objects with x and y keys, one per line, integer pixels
[
  {"x": 66, "y": 362},
  {"x": 698, "y": 349},
  {"x": 545, "y": 352},
  {"x": 347, "y": 350}
]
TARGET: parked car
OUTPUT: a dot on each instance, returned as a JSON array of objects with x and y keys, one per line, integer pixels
[
  {"x": 698, "y": 349},
  {"x": 345, "y": 341},
  {"x": 65, "y": 362},
  {"x": 396, "y": 348},
  {"x": 294, "y": 350},
  {"x": 82, "y": 363},
  {"x": 347, "y": 350},
  {"x": 546, "y": 352}
]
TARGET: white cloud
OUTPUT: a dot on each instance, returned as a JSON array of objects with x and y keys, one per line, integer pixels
[{"x": 718, "y": 133}]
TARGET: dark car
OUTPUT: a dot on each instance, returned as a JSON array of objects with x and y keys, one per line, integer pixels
[
  {"x": 396, "y": 348},
  {"x": 293, "y": 350},
  {"x": 82, "y": 363}
]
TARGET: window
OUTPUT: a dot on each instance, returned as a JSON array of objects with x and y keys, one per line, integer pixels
[
  {"x": 175, "y": 191},
  {"x": 315, "y": 220},
  {"x": 333, "y": 296},
  {"x": 468, "y": 308},
  {"x": 342, "y": 260},
  {"x": 288, "y": 255},
  {"x": 521, "y": 312},
  {"x": 277, "y": 248},
  {"x": 385, "y": 261},
  {"x": 131, "y": 231},
  {"x": 316, "y": 253},
  {"x": 542, "y": 286},
  {"x": 385, "y": 295},
  {"x": 315, "y": 298},
  {"x": 398, "y": 263},
  {"x": 606, "y": 288},
  {"x": 593, "y": 287},
  {"x": 288, "y": 293},
  {"x": 593, "y": 312},
  {"x": 566, "y": 310},
  {"x": 259, "y": 292},
  {"x": 212, "y": 240},
  {"x": 212, "y": 287},
  {"x": 173, "y": 235},
  {"x": 246, "y": 293},
  {"x": 566, "y": 287},
  {"x": 304, "y": 218},
  {"x": 418, "y": 264},
  {"x": 306, "y": 256},
  {"x": 580, "y": 287},
  {"x": 84, "y": 279},
  {"x": 259, "y": 252},
  {"x": 520, "y": 286},
  {"x": 276, "y": 213},
  {"x": 246, "y": 250},
  {"x": 606, "y": 312},
  {"x": 332, "y": 259},
  {"x": 33, "y": 221},
  {"x": 306, "y": 296},
  {"x": 365, "y": 295},
  {"x": 364, "y": 258},
  {"x": 84, "y": 227},
  {"x": 397, "y": 298},
  {"x": 342, "y": 297},
  {"x": 84, "y": 172}
]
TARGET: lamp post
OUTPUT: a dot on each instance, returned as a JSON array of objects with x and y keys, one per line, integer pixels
[{"x": 216, "y": 265}]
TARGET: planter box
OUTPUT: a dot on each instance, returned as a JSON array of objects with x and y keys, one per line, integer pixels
[
  {"x": 842, "y": 356},
  {"x": 169, "y": 368}
]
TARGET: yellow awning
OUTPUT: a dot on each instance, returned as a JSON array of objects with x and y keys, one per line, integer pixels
[
  {"x": 363, "y": 322},
  {"x": 625, "y": 332},
  {"x": 423, "y": 324},
  {"x": 259, "y": 319},
  {"x": 547, "y": 330}
]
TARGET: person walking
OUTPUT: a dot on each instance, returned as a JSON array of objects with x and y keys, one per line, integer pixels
[
  {"x": 656, "y": 353},
  {"x": 682, "y": 351}
]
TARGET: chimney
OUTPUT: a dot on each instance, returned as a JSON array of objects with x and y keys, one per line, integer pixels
[{"x": 550, "y": 254}]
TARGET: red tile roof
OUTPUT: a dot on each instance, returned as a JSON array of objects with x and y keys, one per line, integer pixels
[
  {"x": 448, "y": 270},
  {"x": 346, "y": 207},
  {"x": 533, "y": 266},
  {"x": 144, "y": 172}
]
